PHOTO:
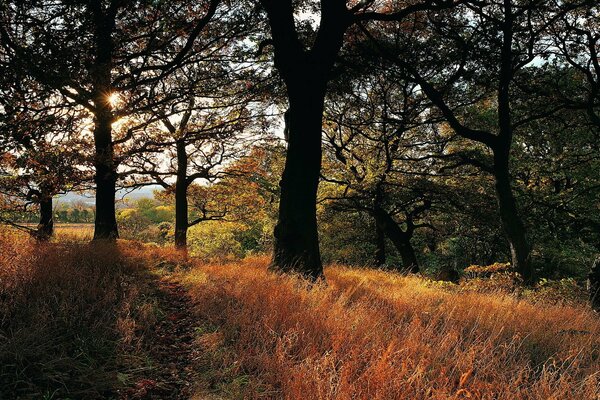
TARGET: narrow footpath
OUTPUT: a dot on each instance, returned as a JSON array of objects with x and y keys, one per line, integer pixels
[{"x": 170, "y": 347}]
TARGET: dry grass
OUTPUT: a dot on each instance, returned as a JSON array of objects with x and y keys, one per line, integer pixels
[
  {"x": 375, "y": 335},
  {"x": 71, "y": 317},
  {"x": 74, "y": 232}
]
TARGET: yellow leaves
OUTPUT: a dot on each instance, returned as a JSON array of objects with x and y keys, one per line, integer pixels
[{"x": 495, "y": 267}]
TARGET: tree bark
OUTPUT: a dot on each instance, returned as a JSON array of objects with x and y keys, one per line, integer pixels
[
  {"x": 379, "y": 244},
  {"x": 105, "y": 179},
  {"x": 512, "y": 223},
  {"x": 104, "y": 163},
  {"x": 296, "y": 237},
  {"x": 511, "y": 220},
  {"x": 181, "y": 203},
  {"x": 305, "y": 73},
  {"x": 594, "y": 284},
  {"x": 45, "y": 228},
  {"x": 400, "y": 239}
]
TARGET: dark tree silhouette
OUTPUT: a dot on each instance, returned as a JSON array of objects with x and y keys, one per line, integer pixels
[
  {"x": 491, "y": 54},
  {"x": 88, "y": 51},
  {"x": 306, "y": 71}
]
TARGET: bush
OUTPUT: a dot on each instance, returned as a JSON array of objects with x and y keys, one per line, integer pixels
[{"x": 215, "y": 241}]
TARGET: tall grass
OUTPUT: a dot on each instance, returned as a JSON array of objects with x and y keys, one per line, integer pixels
[
  {"x": 73, "y": 318},
  {"x": 73, "y": 232},
  {"x": 68, "y": 315},
  {"x": 370, "y": 334}
]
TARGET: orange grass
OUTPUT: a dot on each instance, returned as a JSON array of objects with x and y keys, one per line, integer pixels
[
  {"x": 71, "y": 317},
  {"x": 371, "y": 334}
]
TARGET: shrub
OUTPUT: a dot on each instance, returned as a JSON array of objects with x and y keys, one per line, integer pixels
[{"x": 214, "y": 240}]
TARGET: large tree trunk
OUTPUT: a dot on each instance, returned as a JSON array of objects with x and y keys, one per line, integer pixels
[
  {"x": 45, "y": 228},
  {"x": 512, "y": 223},
  {"x": 507, "y": 206},
  {"x": 400, "y": 239},
  {"x": 306, "y": 73},
  {"x": 181, "y": 203},
  {"x": 379, "y": 244},
  {"x": 296, "y": 238},
  {"x": 105, "y": 179},
  {"x": 104, "y": 163}
]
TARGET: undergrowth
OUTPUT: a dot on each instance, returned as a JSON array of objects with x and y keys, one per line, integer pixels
[{"x": 74, "y": 319}]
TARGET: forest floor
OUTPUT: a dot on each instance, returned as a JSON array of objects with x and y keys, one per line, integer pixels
[{"x": 132, "y": 321}]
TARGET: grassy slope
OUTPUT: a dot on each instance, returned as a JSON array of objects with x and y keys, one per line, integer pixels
[
  {"x": 74, "y": 320},
  {"x": 375, "y": 335}
]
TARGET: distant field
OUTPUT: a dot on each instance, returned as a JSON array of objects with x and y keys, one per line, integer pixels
[
  {"x": 71, "y": 231},
  {"x": 74, "y": 231}
]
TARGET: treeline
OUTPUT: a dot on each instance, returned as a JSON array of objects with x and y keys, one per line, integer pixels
[
  {"x": 62, "y": 212},
  {"x": 423, "y": 120}
]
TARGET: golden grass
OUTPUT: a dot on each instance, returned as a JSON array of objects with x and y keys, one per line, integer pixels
[
  {"x": 73, "y": 232},
  {"x": 371, "y": 334},
  {"x": 72, "y": 315}
]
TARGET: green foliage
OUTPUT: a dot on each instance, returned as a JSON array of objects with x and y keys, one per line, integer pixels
[
  {"x": 346, "y": 238},
  {"x": 214, "y": 240},
  {"x": 562, "y": 291}
]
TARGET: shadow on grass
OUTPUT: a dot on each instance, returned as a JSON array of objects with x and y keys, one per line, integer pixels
[{"x": 71, "y": 319}]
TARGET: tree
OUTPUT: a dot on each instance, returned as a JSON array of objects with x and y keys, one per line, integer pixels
[
  {"x": 486, "y": 53},
  {"x": 91, "y": 52},
  {"x": 376, "y": 142},
  {"x": 576, "y": 39},
  {"x": 199, "y": 136},
  {"x": 43, "y": 153},
  {"x": 306, "y": 71}
]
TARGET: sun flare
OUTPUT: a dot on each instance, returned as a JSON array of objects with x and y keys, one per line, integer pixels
[{"x": 114, "y": 99}]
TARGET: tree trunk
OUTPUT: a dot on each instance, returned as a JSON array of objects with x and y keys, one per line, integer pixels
[
  {"x": 104, "y": 163},
  {"x": 400, "y": 239},
  {"x": 509, "y": 215},
  {"x": 511, "y": 220},
  {"x": 105, "y": 179},
  {"x": 379, "y": 244},
  {"x": 45, "y": 228},
  {"x": 296, "y": 238},
  {"x": 181, "y": 203},
  {"x": 305, "y": 73}
]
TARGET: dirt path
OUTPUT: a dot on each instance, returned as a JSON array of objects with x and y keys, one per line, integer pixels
[{"x": 170, "y": 347}]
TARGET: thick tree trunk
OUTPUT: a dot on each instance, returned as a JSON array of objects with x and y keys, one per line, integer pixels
[
  {"x": 296, "y": 238},
  {"x": 181, "y": 203},
  {"x": 105, "y": 179},
  {"x": 45, "y": 228},
  {"x": 507, "y": 206},
  {"x": 306, "y": 73},
  {"x": 104, "y": 163},
  {"x": 400, "y": 239},
  {"x": 379, "y": 244},
  {"x": 511, "y": 220}
]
